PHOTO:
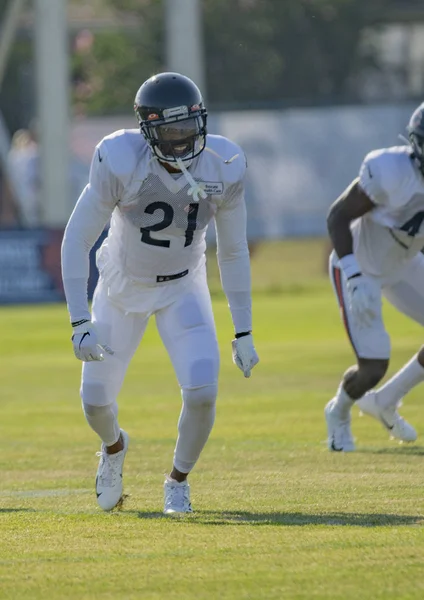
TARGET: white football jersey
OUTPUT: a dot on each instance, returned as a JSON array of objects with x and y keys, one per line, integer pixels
[
  {"x": 392, "y": 233},
  {"x": 157, "y": 228},
  {"x": 158, "y": 220}
]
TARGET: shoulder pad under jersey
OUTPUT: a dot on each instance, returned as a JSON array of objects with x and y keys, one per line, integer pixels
[
  {"x": 227, "y": 157},
  {"x": 384, "y": 172},
  {"x": 125, "y": 149}
]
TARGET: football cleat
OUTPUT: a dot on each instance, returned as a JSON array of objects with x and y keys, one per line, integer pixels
[
  {"x": 176, "y": 497},
  {"x": 109, "y": 476},
  {"x": 339, "y": 433},
  {"x": 391, "y": 420}
]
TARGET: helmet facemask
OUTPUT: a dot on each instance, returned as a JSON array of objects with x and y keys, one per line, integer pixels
[
  {"x": 176, "y": 139},
  {"x": 417, "y": 144},
  {"x": 416, "y": 136}
]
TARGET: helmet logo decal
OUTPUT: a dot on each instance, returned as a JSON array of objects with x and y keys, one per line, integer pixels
[
  {"x": 153, "y": 116},
  {"x": 177, "y": 111}
]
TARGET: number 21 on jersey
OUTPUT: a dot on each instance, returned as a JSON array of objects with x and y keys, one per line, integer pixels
[{"x": 167, "y": 218}]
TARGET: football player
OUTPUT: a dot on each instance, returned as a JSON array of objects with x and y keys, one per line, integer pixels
[
  {"x": 160, "y": 186},
  {"x": 376, "y": 227}
]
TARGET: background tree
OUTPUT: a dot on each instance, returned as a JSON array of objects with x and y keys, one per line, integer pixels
[
  {"x": 263, "y": 53},
  {"x": 291, "y": 51},
  {"x": 16, "y": 97},
  {"x": 107, "y": 71}
]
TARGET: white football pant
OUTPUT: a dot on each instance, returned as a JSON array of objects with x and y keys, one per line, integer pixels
[
  {"x": 406, "y": 293},
  {"x": 187, "y": 329}
]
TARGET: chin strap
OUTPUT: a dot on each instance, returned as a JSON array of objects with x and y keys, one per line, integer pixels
[
  {"x": 195, "y": 189},
  {"x": 226, "y": 162}
]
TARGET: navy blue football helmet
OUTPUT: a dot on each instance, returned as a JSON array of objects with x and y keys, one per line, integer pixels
[
  {"x": 416, "y": 135},
  {"x": 172, "y": 117}
]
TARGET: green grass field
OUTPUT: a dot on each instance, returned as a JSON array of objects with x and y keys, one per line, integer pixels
[{"x": 277, "y": 516}]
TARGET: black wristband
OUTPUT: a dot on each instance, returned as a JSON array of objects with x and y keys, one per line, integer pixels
[
  {"x": 242, "y": 334},
  {"x": 77, "y": 323}
]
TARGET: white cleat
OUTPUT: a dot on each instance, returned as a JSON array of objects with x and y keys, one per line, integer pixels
[
  {"x": 176, "y": 497},
  {"x": 109, "y": 476},
  {"x": 391, "y": 420},
  {"x": 339, "y": 434}
]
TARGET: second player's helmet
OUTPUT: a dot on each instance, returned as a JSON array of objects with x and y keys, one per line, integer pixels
[
  {"x": 169, "y": 108},
  {"x": 416, "y": 134}
]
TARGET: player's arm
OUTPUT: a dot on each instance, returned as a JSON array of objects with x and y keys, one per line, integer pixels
[
  {"x": 362, "y": 196},
  {"x": 233, "y": 258},
  {"x": 358, "y": 199},
  {"x": 352, "y": 204},
  {"x": 234, "y": 266},
  {"x": 91, "y": 214}
]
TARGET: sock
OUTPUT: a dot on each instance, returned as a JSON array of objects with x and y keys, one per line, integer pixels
[
  {"x": 401, "y": 383},
  {"x": 194, "y": 426},
  {"x": 170, "y": 479},
  {"x": 343, "y": 402},
  {"x": 103, "y": 420}
]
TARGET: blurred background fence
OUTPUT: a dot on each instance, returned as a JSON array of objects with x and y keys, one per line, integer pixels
[{"x": 306, "y": 87}]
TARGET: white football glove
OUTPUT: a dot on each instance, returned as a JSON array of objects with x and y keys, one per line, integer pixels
[
  {"x": 362, "y": 298},
  {"x": 86, "y": 344},
  {"x": 244, "y": 354}
]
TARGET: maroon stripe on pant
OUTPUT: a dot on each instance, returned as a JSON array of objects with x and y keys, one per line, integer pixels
[{"x": 337, "y": 276}]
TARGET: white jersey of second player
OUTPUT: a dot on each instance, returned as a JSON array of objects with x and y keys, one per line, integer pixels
[
  {"x": 386, "y": 238},
  {"x": 158, "y": 224}
]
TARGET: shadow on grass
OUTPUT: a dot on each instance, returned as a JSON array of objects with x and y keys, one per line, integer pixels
[
  {"x": 301, "y": 519},
  {"x": 286, "y": 519},
  {"x": 12, "y": 510},
  {"x": 399, "y": 450},
  {"x": 147, "y": 515}
]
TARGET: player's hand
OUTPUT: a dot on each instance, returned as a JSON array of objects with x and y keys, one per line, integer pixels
[
  {"x": 86, "y": 344},
  {"x": 244, "y": 354},
  {"x": 362, "y": 298}
]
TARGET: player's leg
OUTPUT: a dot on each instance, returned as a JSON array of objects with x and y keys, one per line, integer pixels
[
  {"x": 188, "y": 332},
  {"x": 407, "y": 295},
  {"x": 100, "y": 385},
  {"x": 371, "y": 345}
]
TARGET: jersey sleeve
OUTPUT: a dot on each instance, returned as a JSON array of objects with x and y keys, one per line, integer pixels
[
  {"x": 378, "y": 176},
  {"x": 90, "y": 216},
  {"x": 233, "y": 256}
]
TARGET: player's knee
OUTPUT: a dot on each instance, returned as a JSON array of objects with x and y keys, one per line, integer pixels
[
  {"x": 200, "y": 398},
  {"x": 92, "y": 412},
  {"x": 358, "y": 380},
  {"x": 95, "y": 394}
]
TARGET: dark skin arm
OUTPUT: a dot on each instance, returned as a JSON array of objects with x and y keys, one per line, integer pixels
[{"x": 350, "y": 205}]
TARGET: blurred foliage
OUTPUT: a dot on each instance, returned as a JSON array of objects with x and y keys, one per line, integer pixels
[
  {"x": 258, "y": 53},
  {"x": 289, "y": 50},
  {"x": 16, "y": 101},
  {"x": 107, "y": 72}
]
